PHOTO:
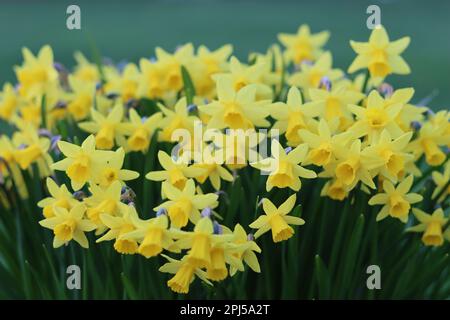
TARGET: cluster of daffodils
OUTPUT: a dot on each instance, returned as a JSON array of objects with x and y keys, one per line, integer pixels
[{"x": 346, "y": 132}]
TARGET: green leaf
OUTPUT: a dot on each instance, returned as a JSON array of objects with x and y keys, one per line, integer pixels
[{"x": 189, "y": 89}]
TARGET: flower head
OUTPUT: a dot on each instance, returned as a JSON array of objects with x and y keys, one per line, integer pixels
[
  {"x": 285, "y": 169},
  {"x": 396, "y": 201},
  {"x": 431, "y": 226},
  {"x": 277, "y": 220},
  {"x": 380, "y": 55},
  {"x": 68, "y": 225}
]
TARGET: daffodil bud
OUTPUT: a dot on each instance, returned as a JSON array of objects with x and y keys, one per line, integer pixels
[
  {"x": 161, "y": 212},
  {"x": 218, "y": 229},
  {"x": 206, "y": 213}
]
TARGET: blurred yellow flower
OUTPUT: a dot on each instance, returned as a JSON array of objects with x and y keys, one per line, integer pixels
[{"x": 380, "y": 55}]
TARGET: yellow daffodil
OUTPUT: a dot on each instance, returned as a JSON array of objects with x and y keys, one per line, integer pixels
[
  {"x": 119, "y": 226},
  {"x": 396, "y": 201},
  {"x": 37, "y": 74},
  {"x": 303, "y": 45},
  {"x": 112, "y": 170},
  {"x": 139, "y": 130},
  {"x": 241, "y": 75},
  {"x": 292, "y": 116},
  {"x": 323, "y": 145},
  {"x": 212, "y": 62},
  {"x": 81, "y": 162},
  {"x": 392, "y": 151},
  {"x": 333, "y": 103},
  {"x": 68, "y": 225},
  {"x": 431, "y": 225},
  {"x": 380, "y": 55},
  {"x": 236, "y": 110},
  {"x": 185, "y": 273},
  {"x": 310, "y": 75},
  {"x": 284, "y": 169},
  {"x": 59, "y": 197},
  {"x": 213, "y": 170},
  {"x": 153, "y": 236},
  {"x": 246, "y": 252},
  {"x": 9, "y": 102},
  {"x": 277, "y": 220},
  {"x": 178, "y": 118},
  {"x": 85, "y": 71},
  {"x": 124, "y": 84},
  {"x": 374, "y": 118},
  {"x": 9, "y": 166},
  {"x": 223, "y": 253},
  {"x": 175, "y": 173},
  {"x": 236, "y": 148},
  {"x": 81, "y": 100},
  {"x": 353, "y": 166},
  {"x": 200, "y": 242},
  {"x": 105, "y": 128},
  {"x": 185, "y": 205},
  {"x": 106, "y": 201},
  {"x": 171, "y": 64},
  {"x": 335, "y": 189},
  {"x": 432, "y": 135},
  {"x": 441, "y": 180}
]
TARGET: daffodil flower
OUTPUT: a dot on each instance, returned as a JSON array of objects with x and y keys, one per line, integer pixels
[
  {"x": 213, "y": 62},
  {"x": 353, "y": 166},
  {"x": 200, "y": 242},
  {"x": 310, "y": 75},
  {"x": 185, "y": 204},
  {"x": 153, "y": 236},
  {"x": 175, "y": 172},
  {"x": 37, "y": 74},
  {"x": 85, "y": 71},
  {"x": 374, "y": 118},
  {"x": 246, "y": 250},
  {"x": 139, "y": 130},
  {"x": 105, "y": 128},
  {"x": 380, "y": 55},
  {"x": 82, "y": 162},
  {"x": 213, "y": 170},
  {"x": 106, "y": 200},
  {"x": 284, "y": 169},
  {"x": 112, "y": 170},
  {"x": 333, "y": 103},
  {"x": 392, "y": 151},
  {"x": 119, "y": 226},
  {"x": 178, "y": 118},
  {"x": 292, "y": 116},
  {"x": 171, "y": 64},
  {"x": 335, "y": 189},
  {"x": 236, "y": 109},
  {"x": 125, "y": 84},
  {"x": 303, "y": 45},
  {"x": 323, "y": 145},
  {"x": 68, "y": 225},
  {"x": 432, "y": 135},
  {"x": 441, "y": 180},
  {"x": 396, "y": 201},
  {"x": 59, "y": 197},
  {"x": 431, "y": 225},
  {"x": 9, "y": 102},
  {"x": 277, "y": 220},
  {"x": 242, "y": 75},
  {"x": 185, "y": 273}
]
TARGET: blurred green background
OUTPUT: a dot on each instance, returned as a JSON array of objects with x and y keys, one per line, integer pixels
[{"x": 131, "y": 29}]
